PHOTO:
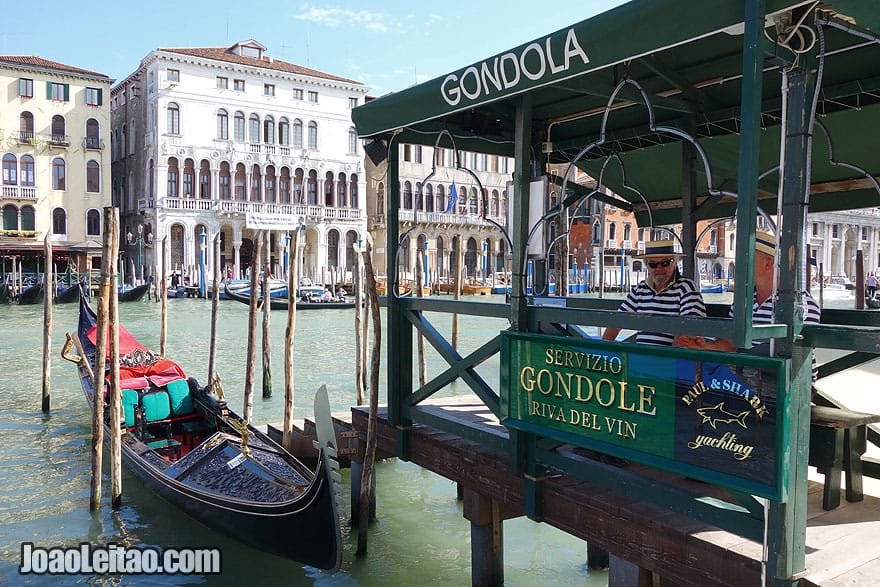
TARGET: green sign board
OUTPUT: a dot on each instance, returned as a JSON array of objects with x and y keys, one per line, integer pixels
[{"x": 712, "y": 416}]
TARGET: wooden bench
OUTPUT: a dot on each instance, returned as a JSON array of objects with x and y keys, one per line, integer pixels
[{"x": 838, "y": 439}]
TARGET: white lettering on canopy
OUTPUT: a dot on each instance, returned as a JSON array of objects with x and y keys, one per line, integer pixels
[{"x": 506, "y": 71}]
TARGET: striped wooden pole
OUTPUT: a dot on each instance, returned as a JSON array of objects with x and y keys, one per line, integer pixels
[
  {"x": 48, "y": 298},
  {"x": 115, "y": 399}
]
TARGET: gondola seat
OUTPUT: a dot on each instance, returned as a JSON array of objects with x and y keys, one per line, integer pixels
[
  {"x": 130, "y": 399},
  {"x": 181, "y": 400}
]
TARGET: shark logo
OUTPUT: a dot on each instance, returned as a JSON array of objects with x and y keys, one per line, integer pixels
[{"x": 718, "y": 414}]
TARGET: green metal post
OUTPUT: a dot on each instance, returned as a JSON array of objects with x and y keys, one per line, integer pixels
[
  {"x": 788, "y": 520},
  {"x": 400, "y": 331},
  {"x": 747, "y": 186}
]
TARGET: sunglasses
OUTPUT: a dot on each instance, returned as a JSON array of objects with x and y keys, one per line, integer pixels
[{"x": 655, "y": 264}]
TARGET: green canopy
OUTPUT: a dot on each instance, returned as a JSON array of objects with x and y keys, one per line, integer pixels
[{"x": 665, "y": 67}]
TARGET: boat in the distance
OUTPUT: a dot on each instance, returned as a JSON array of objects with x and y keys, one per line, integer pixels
[
  {"x": 31, "y": 294},
  {"x": 184, "y": 443},
  {"x": 128, "y": 293},
  {"x": 283, "y": 303}
]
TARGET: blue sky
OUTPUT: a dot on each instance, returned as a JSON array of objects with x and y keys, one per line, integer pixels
[{"x": 387, "y": 45}]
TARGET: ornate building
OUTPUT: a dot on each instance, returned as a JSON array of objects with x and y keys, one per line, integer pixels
[
  {"x": 228, "y": 141},
  {"x": 54, "y": 125},
  {"x": 446, "y": 208}
]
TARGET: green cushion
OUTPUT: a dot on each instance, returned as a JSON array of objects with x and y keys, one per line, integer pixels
[
  {"x": 156, "y": 406},
  {"x": 129, "y": 402},
  {"x": 181, "y": 402}
]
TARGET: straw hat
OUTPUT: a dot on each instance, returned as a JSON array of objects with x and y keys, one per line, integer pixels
[
  {"x": 662, "y": 248},
  {"x": 765, "y": 242}
]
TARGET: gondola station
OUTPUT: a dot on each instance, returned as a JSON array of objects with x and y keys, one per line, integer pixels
[{"x": 691, "y": 466}]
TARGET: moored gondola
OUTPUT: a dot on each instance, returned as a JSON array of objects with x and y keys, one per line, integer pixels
[
  {"x": 184, "y": 443},
  {"x": 135, "y": 293},
  {"x": 283, "y": 303}
]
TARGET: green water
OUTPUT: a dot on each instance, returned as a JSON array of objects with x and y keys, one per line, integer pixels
[{"x": 419, "y": 537}]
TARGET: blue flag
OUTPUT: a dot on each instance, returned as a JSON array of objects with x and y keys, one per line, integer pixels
[{"x": 453, "y": 198}]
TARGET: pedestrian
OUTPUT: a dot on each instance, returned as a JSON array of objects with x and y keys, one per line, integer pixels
[
  {"x": 871, "y": 285},
  {"x": 663, "y": 291}
]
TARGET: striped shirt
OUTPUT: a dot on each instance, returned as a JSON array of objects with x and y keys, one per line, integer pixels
[
  {"x": 763, "y": 314},
  {"x": 679, "y": 298}
]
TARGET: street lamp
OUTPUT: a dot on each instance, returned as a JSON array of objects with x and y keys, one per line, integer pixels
[{"x": 139, "y": 240}]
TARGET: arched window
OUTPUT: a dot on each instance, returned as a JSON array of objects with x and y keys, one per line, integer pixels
[
  {"x": 28, "y": 218},
  {"x": 173, "y": 119},
  {"x": 475, "y": 202},
  {"x": 429, "y": 198},
  {"x": 240, "y": 189},
  {"x": 189, "y": 179},
  {"x": 407, "y": 196},
  {"x": 238, "y": 123},
  {"x": 151, "y": 179},
  {"x": 59, "y": 221},
  {"x": 26, "y": 127},
  {"x": 26, "y": 177},
  {"x": 353, "y": 190},
  {"x": 93, "y": 223},
  {"x": 59, "y": 174},
  {"x": 223, "y": 180},
  {"x": 270, "y": 184},
  {"x": 612, "y": 231},
  {"x": 440, "y": 199},
  {"x": 173, "y": 178},
  {"x": 222, "y": 125},
  {"x": 298, "y": 186},
  {"x": 93, "y": 134},
  {"x": 494, "y": 204},
  {"x": 313, "y": 135},
  {"x": 380, "y": 199},
  {"x": 352, "y": 140},
  {"x": 254, "y": 128},
  {"x": 269, "y": 131},
  {"x": 284, "y": 186},
  {"x": 297, "y": 140},
  {"x": 312, "y": 187},
  {"x": 627, "y": 232},
  {"x": 10, "y": 169},
  {"x": 255, "y": 184},
  {"x": 205, "y": 180},
  {"x": 93, "y": 177},
  {"x": 328, "y": 189},
  {"x": 341, "y": 200},
  {"x": 10, "y": 217},
  {"x": 333, "y": 248},
  {"x": 59, "y": 129},
  {"x": 283, "y": 132}
]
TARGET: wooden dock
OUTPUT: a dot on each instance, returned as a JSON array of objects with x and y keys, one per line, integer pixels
[{"x": 840, "y": 544}]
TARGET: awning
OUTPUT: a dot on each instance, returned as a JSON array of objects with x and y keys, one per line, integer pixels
[{"x": 687, "y": 58}]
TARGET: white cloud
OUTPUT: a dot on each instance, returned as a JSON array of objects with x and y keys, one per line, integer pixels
[{"x": 340, "y": 17}]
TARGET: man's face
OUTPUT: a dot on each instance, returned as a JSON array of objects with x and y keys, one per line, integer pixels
[
  {"x": 763, "y": 269},
  {"x": 660, "y": 271}
]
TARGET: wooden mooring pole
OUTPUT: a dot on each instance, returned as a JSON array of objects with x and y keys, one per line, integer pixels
[
  {"x": 459, "y": 269},
  {"x": 250, "y": 368},
  {"x": 860, "y": 280},
  {"x": 215, "y": 307},
  {"x": 267, "y": 306},
  {"x": 163, "y": 324},
  {"x": 423, "y": 367},
  {"x": 48, "y": 298},
  {"x": 289, "y": 333},
  {"x": 115, "y": 397},
  {"x": 370, "y": 452},
  {"x": 360, "y": 335}
]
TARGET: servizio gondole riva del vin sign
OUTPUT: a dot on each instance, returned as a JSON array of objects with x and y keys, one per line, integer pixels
[{"x": 684, "y": 411}]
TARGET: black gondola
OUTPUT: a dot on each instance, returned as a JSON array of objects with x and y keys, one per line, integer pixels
[
  {"x": 135, "y": 293},
  {"x": 282, "y": 303},
  {"x": 185, "y": 444},
  {"x": 68, "y": 294},
  {"x": 33, "y": 294}
]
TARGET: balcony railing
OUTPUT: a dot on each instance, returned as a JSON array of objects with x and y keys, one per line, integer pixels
[
  {"x": 612, "y": 243},
  {"x": 14, "y": 192},
  {"x": 59, "y": 141},
  {"x": 93, "y": 144},
  {"x": 26, "y": 137},
  {"x": 422, "y": 217},
  {"x": 308, "y": 211}
]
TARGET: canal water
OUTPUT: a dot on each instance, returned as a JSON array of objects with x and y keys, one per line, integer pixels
[{"x": 419, "y": 537}]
